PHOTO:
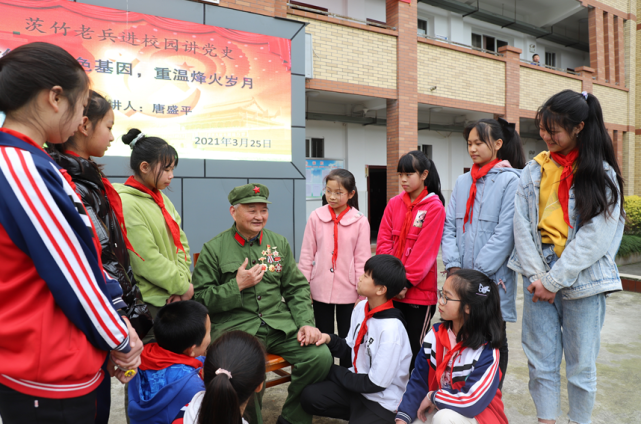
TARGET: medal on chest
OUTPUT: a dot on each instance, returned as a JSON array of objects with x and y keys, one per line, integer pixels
[{"x": 272, "y": 257}]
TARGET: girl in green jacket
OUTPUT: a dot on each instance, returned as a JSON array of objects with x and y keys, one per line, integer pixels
[{"x": 153, "y": 225}]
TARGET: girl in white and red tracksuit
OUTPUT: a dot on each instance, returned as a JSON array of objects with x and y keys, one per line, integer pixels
[
  {"x": 411, "y": 230},
  {"x": 57, "y": 306}
]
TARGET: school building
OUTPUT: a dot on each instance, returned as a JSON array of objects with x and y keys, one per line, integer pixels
[{"x": 385, "y": 77}]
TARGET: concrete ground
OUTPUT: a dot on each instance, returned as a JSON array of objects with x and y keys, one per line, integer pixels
[
  {"x": 619, "y": 371},
  {"x": 631, "y": 269}
]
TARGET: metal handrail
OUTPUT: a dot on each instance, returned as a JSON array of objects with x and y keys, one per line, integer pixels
[
  {"x": 467, "y": 46},
  {"x": 335, "y": 15},
  {"x": 566, "y": 71}
]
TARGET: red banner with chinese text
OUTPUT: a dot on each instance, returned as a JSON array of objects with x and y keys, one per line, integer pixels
[{"x": 211, "y": 92}]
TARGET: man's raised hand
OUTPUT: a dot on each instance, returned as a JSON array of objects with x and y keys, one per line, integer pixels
[{"x": 246, "y": 278}]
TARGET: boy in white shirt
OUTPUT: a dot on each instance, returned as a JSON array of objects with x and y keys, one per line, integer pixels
[{"x": 377, "y": 347}]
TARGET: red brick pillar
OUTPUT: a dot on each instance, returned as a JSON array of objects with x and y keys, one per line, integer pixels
[
  {"x": 402, "y": 113},
  {"x": 619, "y": 51},
  {"x": 280, "y": 8},
  {"x": 512, "y": 84},
  {"x": 597, "y": 51},
  {"x": 608, "y": 43},
  {"x": 587, "y": 74},
  {"x": 617, "y": 143}
]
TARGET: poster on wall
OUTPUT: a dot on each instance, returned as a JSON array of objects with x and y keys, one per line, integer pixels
[
  {"x": 211, "y": 92},
  {"x": 315, "y": 172}
]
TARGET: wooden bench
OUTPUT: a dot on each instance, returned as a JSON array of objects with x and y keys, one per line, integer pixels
[{"x": 273, "y": 363}]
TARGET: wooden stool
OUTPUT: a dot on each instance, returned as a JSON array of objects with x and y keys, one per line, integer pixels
[{"x": 276, "y": 364}]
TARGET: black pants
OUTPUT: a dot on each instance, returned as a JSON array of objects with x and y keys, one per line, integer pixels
[
  {"x": 103, "y": 397},
  {"x": 18, "y": 408},
  {"x": 324, "y": 316},
  {"x": 503, "y": 351},
  {"x": 418, "y": 319},
  {"x": 328, "y": 399}
]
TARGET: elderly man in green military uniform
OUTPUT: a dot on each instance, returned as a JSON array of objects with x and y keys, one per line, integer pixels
[{"x": 243, "y": 274}]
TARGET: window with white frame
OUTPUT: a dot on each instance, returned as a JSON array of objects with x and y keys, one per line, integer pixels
[
  {"x": 550, "y": 59},
  {"x": 487, "y": 42},
  {"x": 315, "y": 147},
  {"x": 422, "y": 27}
]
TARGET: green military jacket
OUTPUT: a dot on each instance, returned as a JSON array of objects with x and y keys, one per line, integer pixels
[{"x": 215, "y": 284}]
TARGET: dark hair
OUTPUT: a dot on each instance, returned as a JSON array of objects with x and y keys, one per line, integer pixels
[
  {"x": 416, "y": 161},
  {"x": 244, "y": 357},
  {"x": 31, "y": 68},
  {"x": 180, "y": 325},
  {"x": 484, "y": 323},
  {"x": 568, "y": 109},
  {"x": 490, "y": 130},
  {"x": 347, "y": 180},
  {"x": 535, "y": 54},
  {"x": 95, "y": 111},
  {"x": 388, "y": 271},
  {"x": 153, "y": 150}
]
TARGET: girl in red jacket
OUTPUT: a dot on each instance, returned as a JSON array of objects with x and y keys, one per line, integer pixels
[{"x": 411, "y": 230}]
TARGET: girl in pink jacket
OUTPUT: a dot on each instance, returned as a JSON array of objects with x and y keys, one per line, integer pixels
[
  {"x": 411, "y": 230},
  {"x": 335, "y": 248}
]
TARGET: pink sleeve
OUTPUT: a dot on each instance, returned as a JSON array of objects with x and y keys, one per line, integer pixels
[
  {"x": 363, "y": 248},
  {"x": 384, "y": 243},
  {"x": 308, "y": 249},
  {"x": 425, "y": 250}
]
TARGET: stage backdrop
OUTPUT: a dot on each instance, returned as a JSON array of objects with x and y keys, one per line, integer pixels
[{"x": 213, "y": 93}]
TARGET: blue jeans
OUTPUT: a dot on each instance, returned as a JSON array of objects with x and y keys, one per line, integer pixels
[{"x": 567, "y": 326}]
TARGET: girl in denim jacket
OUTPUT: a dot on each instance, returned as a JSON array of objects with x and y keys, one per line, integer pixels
[
  {"x": 478, "y": 232},
  {"x": 568, "y": 224}
]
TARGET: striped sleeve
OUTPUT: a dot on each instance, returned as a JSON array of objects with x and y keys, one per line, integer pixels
[
  {"x": 47, "y": 225},
  {"x": 418, "y": 386},
  {"x": 479, "y": 389}
]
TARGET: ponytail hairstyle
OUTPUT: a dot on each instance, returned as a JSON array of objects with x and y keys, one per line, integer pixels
[
  {"x": 347, "y": 180},
  {"x": 484, "y": 323},
  {"x": 567, "y": 110},
  {"x": 490, "y": 130},
  {"x": 153, "y": 150},
  {"x": 96, "y": 109},
  {"x": 416, "y": 161},
  {"x": 27, "y": 70},
  {"x": 241, "y": 355}
]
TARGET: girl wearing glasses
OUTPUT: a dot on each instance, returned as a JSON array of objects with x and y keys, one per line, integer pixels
[
  {"x": 411, "y": 230},
  {"x": 478, "y": 231},
  {"x": 335, "y": 248},
  {"x": 456, "y": 380}
]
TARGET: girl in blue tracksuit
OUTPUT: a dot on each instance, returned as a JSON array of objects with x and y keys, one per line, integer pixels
[{"x": 478, "y": 232}]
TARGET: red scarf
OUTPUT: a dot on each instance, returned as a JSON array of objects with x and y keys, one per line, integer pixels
[
  {"x": 399, "y": 249},
  {"x": 155, "y": 358},
  {"x": 116, "y": 205},
  {"x": 361, "y": 332},
  {"x": 157, "y": 197},
  {"x": 567, "y": 177},
  {"x": 444, "y": 342},
  {"x": 336, "y": 221},
  {"x": 477, "y": 172}
]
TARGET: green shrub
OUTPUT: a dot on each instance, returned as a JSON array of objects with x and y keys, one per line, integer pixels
[
  {"x": 629, "y": 244},
  {"x": 632, "y": 206}
]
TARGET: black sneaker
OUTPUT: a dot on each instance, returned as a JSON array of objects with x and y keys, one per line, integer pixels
[{"x": 282, "y": 420}]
